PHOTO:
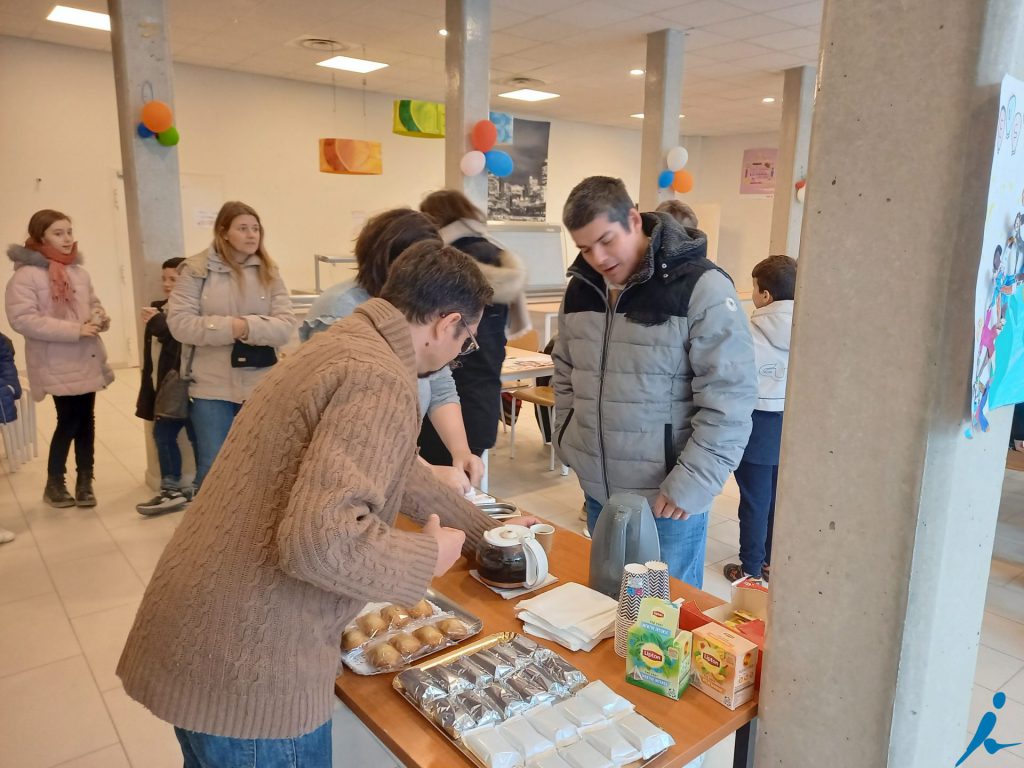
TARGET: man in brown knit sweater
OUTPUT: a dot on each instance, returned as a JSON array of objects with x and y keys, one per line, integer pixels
[{"x": 236, "y": 642}]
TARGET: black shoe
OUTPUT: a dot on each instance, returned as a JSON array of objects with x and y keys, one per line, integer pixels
[
  {"x": 56, "y": 493},
  {"x": 168, "y": 500},
  {"x": 83, "y": 492}
]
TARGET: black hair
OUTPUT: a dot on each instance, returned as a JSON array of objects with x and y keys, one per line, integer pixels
[
  {"x": 777, "y": 275},
  {"x": 429, "y": 280},
  {"x": 172, "y": 263},
  {"x": 595, "y": 196}
]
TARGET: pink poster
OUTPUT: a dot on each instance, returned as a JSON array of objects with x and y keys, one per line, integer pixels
[{"x": 758, "y": 171}]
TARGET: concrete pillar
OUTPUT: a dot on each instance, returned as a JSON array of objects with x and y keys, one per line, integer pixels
[
  {"x": 467, "y": 54},
  {"x": 663, "y": 99},
  {"x": 886, "y": 512},
  {"x": 794, "y": 145},
  {"x": 142, "y": 71}
]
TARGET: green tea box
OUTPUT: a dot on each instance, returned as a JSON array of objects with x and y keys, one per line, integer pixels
[{"x": 658, "y": 658}]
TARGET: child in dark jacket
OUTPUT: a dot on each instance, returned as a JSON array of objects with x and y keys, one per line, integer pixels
[
  {"x": 173, "y": 494},
  {"x": 10, "y": 393},
  {"x": 758, "y": 473}
]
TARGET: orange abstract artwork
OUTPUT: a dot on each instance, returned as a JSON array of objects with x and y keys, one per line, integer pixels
[{"x": 350, "y": 156}]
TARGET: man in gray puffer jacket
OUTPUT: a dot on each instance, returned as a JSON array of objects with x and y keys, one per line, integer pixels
[{"x": 654, "y": 368}]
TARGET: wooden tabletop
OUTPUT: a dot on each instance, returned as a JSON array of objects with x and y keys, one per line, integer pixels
[{"x": 696, "y": 722}]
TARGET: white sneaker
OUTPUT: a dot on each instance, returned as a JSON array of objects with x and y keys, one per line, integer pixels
[
  {"x": 6, "y": 536},
  {"x": 168, "y": 500}
]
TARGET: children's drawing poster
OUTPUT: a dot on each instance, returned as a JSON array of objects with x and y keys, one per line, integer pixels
[
  {"x": 998, "y": 376},
  {"x": 758, "y": 171}
]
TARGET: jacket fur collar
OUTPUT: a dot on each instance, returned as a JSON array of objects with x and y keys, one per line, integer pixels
[{"x": 26, "y": 257}]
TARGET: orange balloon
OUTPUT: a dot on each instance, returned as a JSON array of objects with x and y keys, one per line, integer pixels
[
  {"x": 682, "y": 181},
  {"x": 485, "y": 134},
  {"x": 157, "y": 116}
]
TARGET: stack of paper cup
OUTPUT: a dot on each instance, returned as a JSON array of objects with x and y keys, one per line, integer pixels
[
  {"x": 632, "y": 591},
  {"x": 657, "y": 579}
]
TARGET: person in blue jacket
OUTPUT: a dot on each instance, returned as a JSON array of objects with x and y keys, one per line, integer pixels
[{"x": 10, "y": 393}]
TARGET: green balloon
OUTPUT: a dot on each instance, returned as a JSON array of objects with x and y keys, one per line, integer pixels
[{"x": 169, "y": 137}]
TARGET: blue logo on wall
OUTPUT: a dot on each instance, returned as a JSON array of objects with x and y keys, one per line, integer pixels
[{"x": 985, "y": 728}]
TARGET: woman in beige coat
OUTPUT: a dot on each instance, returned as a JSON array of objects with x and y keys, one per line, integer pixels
[
  {"x": 231, "y": 310},
  {"x": 50, "y": 301}
]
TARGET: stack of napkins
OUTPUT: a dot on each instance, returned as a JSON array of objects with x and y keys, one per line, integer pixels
[{"x": 572, "y": 615}]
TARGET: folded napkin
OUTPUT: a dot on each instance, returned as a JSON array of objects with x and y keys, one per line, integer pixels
[
  {"x": 507, "y": 593},
  {"x": 573, "y": 615}
]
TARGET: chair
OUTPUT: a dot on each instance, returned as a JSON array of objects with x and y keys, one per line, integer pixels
[
  {"x": 528, "y": 341},
  {"x": 543, "y": 397},
  {"x": 19, "y": 436}
]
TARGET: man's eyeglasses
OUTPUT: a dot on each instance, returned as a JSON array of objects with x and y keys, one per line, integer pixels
[{"x": 470, "y": 344}]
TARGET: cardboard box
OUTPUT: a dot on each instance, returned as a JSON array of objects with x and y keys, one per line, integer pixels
[
  {"x": 658, "y": 658},
  {"x": 724, "y": 665}
]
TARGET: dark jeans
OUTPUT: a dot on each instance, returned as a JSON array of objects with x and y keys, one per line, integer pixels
[
  {"x": 165, "y": 435},
  {"x": 757, "y": 484},
  {"x": 201, "y": 750},
  {"x": 76, "y": 421},
  {"x": 211, "y": 420}
]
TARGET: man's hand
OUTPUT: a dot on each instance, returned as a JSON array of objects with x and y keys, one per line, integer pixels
[
  {"x": 453, "y": 477},
  {"x": 472, "y": 465},
  {"x": 449, "y": 544},
  {"x": 524, "y": 520},
  {"x": 148, "y": 313},
  {"x": 665, "y": 507}
]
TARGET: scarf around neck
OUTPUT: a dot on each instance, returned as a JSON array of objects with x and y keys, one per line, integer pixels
[{"x": 60, "y": 282}]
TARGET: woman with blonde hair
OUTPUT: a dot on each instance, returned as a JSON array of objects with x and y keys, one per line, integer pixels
[{"x": 231, "y": 310}]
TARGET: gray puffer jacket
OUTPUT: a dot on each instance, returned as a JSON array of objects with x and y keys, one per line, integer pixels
[{"x": 655, "y": 394}]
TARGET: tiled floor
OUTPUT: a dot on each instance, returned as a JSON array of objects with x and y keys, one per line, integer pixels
[{"x": 72, "y": 580}]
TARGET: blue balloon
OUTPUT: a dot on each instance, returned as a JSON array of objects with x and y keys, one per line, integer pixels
[
  {"x": 665, "y": 179},
  {"x": 144, "y": 132},
  {"x": 499, "y": 163}
]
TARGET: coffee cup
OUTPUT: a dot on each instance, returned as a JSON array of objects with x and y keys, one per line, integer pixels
[{"x": 544, "y": 534}]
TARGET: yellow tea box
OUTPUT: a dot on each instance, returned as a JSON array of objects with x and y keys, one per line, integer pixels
[
  {"x": 658, "y": 657},
  {"x": 723, "y": 665}
]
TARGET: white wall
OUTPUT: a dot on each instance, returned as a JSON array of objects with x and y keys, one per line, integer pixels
[{"x": 254, "y": 138}]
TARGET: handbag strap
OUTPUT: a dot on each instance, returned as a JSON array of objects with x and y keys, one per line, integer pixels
[{"x": 192, "y": 351}]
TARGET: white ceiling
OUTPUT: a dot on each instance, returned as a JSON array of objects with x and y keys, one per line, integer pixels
[{"x": 582, "y": 49}]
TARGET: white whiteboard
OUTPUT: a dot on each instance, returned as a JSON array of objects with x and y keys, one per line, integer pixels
[{"x": 541, "y": 247}]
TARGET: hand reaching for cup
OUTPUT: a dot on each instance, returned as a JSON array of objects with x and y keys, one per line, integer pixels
[{"x": 449, "y": 544}]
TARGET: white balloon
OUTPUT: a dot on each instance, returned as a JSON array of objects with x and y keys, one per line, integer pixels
[
  {"x": 800, "y": 194},
  {"x": 676, "y": 159},
  {"x": 472, "y": 163}
]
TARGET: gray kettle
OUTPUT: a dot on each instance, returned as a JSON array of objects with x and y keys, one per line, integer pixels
[{"x": 625, "y": 533}]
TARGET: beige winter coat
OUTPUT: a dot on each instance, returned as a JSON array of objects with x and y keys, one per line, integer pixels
[
  {"x": 204, "y": 322},
  {"x": 58, "y": 359}
]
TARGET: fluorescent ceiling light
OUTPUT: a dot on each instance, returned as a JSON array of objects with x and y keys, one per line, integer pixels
[
  {"x": 528, "y": 94},
  {"x": 768, "y": 100},
  {"x": 349, "y": 64},
  {"x": 443, "y": 32},
  {"x": 636, "y": 72},
  {"x": 79, "y": 18},
  {"x": 640, "y": 116}
]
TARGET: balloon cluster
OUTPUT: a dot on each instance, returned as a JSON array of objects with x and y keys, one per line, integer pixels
[
  {"x": 158, "y": 121},
  {"x": 801, "y": 190},
  {"x": 675, "y": 176},
  {"x": 483, "y": 155}
]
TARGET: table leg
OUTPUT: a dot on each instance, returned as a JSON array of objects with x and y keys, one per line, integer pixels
[{"x": 743, "y": 752}]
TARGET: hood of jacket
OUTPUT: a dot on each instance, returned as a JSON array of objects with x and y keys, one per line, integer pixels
[
  {"x": 26, "y": 257},
  {"x": 506, "y": 278},
  {"x": 775, "y": 323},
  {"x": 670, "y": 244}
]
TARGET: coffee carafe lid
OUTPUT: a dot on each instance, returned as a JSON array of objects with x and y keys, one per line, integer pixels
[{"x": 506, "y": 535}]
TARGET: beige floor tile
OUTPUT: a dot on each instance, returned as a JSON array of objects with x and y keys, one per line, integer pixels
[
  {"x": 148, "y": 741},
  {"x": 91, "y": 584},
  {"x": 52, "y": 714},
  {"x": 34, "y": 632},
  {"x": 727, "y": 532},
  {"x": 1007, "y": 601},
  {"x": 101, "y": 636},
  {"x": 1002, "y": 634},
  {"x": 143, "y": 540},
  {"x": 109, "y": 757},
  {"x": 68, "y": 534},
  {"x": 22, "y": 571},
  {"x": 1004, "y": 571},
  {"x": 716, "y": 551},
  {"x": 995, "y": 669}
]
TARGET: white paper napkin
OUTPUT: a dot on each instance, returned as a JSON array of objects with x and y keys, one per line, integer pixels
[
  {"x": 570, "y": 605},
  {"x": 508, "y": 594}
]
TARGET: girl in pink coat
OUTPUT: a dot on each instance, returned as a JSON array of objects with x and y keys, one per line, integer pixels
[{"x": 50, "y": 301}]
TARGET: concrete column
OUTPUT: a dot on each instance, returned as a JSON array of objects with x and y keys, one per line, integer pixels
[
  {"x": 142, "y": 71},
  {"x": 467, "y": 54},
  {"x": 886, "y": 512},
  {"x": 663, "y": 99},
  {"x": 794, "y": 145}
]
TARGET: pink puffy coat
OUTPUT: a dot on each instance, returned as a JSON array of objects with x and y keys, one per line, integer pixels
[{"x": 59, "y": 360}]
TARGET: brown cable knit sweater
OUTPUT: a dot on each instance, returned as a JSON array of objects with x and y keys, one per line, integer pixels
[{"x": 238, "y": 632}]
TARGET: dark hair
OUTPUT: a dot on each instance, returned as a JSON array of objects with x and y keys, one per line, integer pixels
[
  {"x": 679, "y": 211},
  {"x": 41, "y": 221},
  {"x": 594, "y": 196},
  {"x": 447, "y": 205},
  {"x": 383, "y": 239},
  {"x": 777, "y": 275},
  {"x": 172, "y": 263},
  {"x": 430, "y": 279}
]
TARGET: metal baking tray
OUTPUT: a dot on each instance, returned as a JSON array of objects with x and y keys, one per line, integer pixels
[
  {"x": 464, "y": 650},
  {"x": 447, "y": 606},
  {"x": 499, "y": 510}
]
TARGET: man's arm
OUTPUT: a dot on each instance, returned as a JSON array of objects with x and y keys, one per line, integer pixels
[
  {"x": 561, "y": 381},
  {"x": 426, "y": 495},
  {"x": 724, "y": 392}
]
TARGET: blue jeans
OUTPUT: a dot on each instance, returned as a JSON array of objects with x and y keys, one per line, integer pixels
[
  {"x": 165, "y": 435},
  {"x": 211, "y": 420},
  {"x": 757, "y": 483},
  {"x": 201, "y": 750},
  {"x": 682, "y": 542}
]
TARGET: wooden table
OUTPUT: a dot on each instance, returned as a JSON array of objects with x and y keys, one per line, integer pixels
[
  {"x": 696, "y": 721},
  {"x": 523, "y": 364}
]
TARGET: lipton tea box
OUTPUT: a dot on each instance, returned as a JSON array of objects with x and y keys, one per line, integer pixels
[
  {"x": 658, "y": 658},
  {"x": 723, "y": 665}
]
